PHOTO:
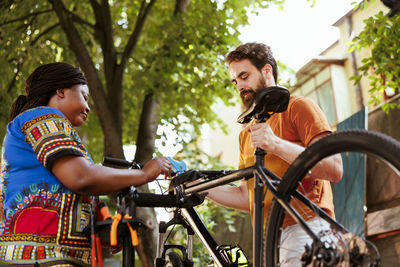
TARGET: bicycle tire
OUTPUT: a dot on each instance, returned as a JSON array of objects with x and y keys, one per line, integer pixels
[
  {"x": 175, "y": 259},
  {"x": 372, "y": 143}
]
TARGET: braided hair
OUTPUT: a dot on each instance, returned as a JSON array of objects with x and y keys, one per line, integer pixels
[{"x": 43, "y": 83}]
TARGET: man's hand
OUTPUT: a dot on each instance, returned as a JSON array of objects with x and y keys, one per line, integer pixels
[{"x": 262, "y": 136}]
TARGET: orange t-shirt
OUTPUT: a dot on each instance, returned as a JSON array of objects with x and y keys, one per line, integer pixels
[{"x": 300, "y": 123}]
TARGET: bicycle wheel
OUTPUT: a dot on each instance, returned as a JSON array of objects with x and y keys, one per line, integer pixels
[
  {"x": 364, "y": 154},
  {"x": 175, "y": 260}
]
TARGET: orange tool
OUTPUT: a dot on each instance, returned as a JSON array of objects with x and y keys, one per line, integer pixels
[
  {"x": 114, "y": 227},
  {"x": 103, "y": 211}
]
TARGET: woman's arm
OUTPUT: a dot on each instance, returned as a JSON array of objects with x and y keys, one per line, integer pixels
[{"x": 77, "y": 174}]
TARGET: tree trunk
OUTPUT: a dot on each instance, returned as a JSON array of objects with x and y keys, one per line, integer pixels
[
  {"x": 112, "y": 125},
  {"x": 113, "y": 142},
  {"x": 109, "y": 104},
  {"x": 145, "y": 144},
  {"x": 148, "y": 124}
]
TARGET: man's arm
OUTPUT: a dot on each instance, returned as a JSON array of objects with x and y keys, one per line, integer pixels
[
  {"x": 329, "y": 168},
  {"x": 236, "y": 197}
]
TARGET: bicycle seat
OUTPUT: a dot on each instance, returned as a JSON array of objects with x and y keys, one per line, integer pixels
[{"x": 267, "y": 101}]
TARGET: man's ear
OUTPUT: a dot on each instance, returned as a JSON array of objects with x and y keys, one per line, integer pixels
[
  {"x": 268, "y": 75},
  {"x": 267, "y": 69},
  {"x": 60, "y": 93}
]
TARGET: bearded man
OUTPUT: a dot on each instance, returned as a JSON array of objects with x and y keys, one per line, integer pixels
[{"x": 284, "y": 136}]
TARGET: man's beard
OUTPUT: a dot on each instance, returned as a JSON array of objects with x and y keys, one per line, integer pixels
[{"x": 250, "y": 93}]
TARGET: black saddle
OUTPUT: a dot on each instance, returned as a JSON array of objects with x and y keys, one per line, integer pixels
[{"x": 267, "y": 101}]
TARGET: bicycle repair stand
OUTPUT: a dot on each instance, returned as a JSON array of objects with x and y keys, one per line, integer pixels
[
  {"x": 123, "y": 226},
  {"x": 258, "y": 219},
  {"x": 162, "y": 247}
]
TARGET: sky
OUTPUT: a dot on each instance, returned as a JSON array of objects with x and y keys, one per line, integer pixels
[{"x": 299, "y": 32}]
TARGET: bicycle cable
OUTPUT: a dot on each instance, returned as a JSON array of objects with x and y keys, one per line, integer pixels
[{"x": 164, "y": 191}]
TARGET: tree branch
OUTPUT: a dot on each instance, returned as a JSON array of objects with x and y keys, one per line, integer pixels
[
  {"x": 94, "y": 81},
  {"x": 134, "y": 37},
  {"x": 110, "y": 55},
  {"x": 25, "y": 26},
  {"x": 26, "y": 16},
  {"x": 49, "y": 29},
  {"x": 113, "y": 76},
  {"x": 12, "y": 82},
  {"x": 95, "y": 5},
  {"x": 55, "y": 42},
  {"x": 81, "y": 20},
  {"x": 181, "y": 6},
  {"x": 104, "y": 34},
  {"x": 138, "y": 62}
]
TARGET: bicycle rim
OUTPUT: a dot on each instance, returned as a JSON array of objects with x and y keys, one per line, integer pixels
[{"x": 379, "y": 156}]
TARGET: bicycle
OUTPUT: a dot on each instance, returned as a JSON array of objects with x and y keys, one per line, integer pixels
[{"x": 336, "y": 246}]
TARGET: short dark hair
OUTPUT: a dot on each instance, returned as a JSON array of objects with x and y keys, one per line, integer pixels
[
  {"x": 259, "y": 54},
  {"x": 43, "y": 83}
]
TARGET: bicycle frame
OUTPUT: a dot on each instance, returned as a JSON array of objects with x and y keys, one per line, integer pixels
[
  {"x": 263, "y": 178},
  {"x": 256, "y": 171},
  {"x": 261, "y": 175},
  {"x": 267, "y": 102}
]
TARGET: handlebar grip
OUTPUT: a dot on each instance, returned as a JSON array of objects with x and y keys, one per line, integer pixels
[
  {"x": 119, "y": 162},
  {"x": 126, "y": 164}
]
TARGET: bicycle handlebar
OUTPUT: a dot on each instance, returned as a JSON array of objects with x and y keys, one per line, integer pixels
[
  {"x": 132, "y": 164},
  {"x": 192, "y": 199},
  {"x": 121, "y": 163},
  {"x": 167, "y": 201}
]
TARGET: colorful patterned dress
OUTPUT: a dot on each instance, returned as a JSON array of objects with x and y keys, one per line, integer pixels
[{"x": 41, "y": 221}]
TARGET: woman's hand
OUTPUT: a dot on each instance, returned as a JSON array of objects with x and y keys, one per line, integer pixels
[{"x": 157, "y": 166}]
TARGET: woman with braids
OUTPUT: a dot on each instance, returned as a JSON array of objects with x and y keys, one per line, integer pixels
[{"x": 47, "y": 176}]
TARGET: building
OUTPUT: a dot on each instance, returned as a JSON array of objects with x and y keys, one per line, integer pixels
[{"x": 326, "y": 79}]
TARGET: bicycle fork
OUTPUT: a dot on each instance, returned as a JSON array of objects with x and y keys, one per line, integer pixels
[{"x": 162, "y": 247}]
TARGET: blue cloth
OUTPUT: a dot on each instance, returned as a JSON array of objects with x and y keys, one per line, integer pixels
[
  {"x": 177, "y": 166},
  {"x": 41, "y": 220}
]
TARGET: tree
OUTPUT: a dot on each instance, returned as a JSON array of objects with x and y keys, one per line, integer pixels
[
  {"x": 381, "y": 34},
  {"x": 147, "y": 62}
]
